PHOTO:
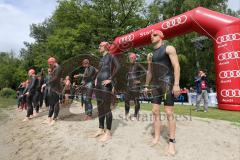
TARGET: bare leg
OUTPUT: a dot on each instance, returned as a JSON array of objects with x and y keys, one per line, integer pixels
[
  {"x": 172, "y": 129},
  {"x": 156, "y": 123}
]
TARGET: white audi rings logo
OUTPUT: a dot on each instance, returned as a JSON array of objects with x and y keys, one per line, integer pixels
[
  {"x": 127, "y": 38},
  {"x": 174, "y": 22},
  {"x": 126, "y": 42},
  {"x": 229, "y": 74},
  {"x": 228, "y": 38},
  {"x": 230, "y": 93},
  {"x": 229, "y": 55}
]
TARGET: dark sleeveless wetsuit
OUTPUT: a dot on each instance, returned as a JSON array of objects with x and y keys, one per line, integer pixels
[{"x": 162, "y": 77}]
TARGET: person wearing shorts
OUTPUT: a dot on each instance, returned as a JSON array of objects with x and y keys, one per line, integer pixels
[{"x": 164, "y": 73}]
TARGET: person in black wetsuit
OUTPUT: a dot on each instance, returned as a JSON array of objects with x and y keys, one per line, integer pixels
[
  {"x": 164, "y": 71},
  {"x": 135, "y": 72},
  {"x": 21, "y": 97},
  {"x": 87, "y": 86},
  {"x": 108, "y": 68},
  {"x": 55, "y": 90},
  {"x": 41, "y": 82},
  {"x": 31, "y": 95},
  {"x": 45, "y": 88}
]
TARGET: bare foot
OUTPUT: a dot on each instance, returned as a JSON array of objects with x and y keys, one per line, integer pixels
[
  {"x": 52, "y": 122},
  {"x": 20, "y": 110},
  {"x": 133, "y": 118},
  {"x": 89, "y": 118},
  {"x": 126, "y": 117},
  {"x": 45, "y": 109},
  {"x": 47, "y": 121},
  {"x": 107, "y": 136},
  {"x": 86, "y": 118},
  {"x": 154, "y": 142},
  {"x": 171, "y": 151},
  {"x": 26, "y": 119},
  {"x": 35, "y": 114},
  {"x": 98, "y": 133}
]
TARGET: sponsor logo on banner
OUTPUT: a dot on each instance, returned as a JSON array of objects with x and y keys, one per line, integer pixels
[
  {"x": 174, "y": 22},
  {"x": 228, "y": 38},
  {"x": 146, "y": 33},
  {"x": 230, "y": 93},
  {"x": 227, "y": 100},
  {"x": 229, "y": 74},
  {"x": 224, "y": 63},
  {"x": 229, "y": 55},
  {"x": 127, "y": 38},
  {"x": 126, "y": 42},
  {"x": 226, "y": 81}
]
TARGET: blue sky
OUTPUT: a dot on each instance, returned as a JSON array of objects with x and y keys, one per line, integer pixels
[{"x": 17, "y": 15}]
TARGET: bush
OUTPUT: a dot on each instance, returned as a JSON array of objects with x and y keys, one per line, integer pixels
[{"x": 8, "y": 93}]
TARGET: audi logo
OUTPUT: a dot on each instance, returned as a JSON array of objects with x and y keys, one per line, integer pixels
[
  {"x": 228, "y": 38},
  {"x": 125, "y": 46},
  {"x": 229, "y": 74},
  {"x": 127, "y": 38},
  {"x": 230, "y": 93},
  {"x": 126, "y": 42},
  {"x": 174, "y": 22},
  {"x": 229, "y": 55}
]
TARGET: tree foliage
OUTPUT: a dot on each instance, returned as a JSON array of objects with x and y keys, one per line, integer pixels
[{"x": 76, "y": 27}]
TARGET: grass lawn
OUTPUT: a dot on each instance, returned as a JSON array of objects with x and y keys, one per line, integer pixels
[
  {"x": 5, "y": 103},
  {"x": 213, "y": 113}
]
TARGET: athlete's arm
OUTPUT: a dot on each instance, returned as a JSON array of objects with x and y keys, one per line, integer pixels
[
  {"x": 171, "y": 51},
  {"x": 56, "y": 76},
  {"x": 32, "y": 85},
  {"x": 116, "y": 68},
  {"x": 149, "y": 70},
  {"x": 142, "y": 69}
]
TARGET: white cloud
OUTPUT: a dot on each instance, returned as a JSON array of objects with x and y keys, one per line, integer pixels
[{"x": 16, "y": 18}]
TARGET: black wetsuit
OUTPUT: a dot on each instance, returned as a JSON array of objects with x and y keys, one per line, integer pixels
[
  {"x": 135, "y": 72},
  {"x": 46, "y": 90},
  {"x": 162, "y": 77},
  {"x": 55, "y": 90},
  {"x": 32, "y": 98},
  {"x": 41, "y": 94},
  {"x": 108, "y": 68},
  {"x": 88, "y": 83},
  {"x": 21, "y": 97}
]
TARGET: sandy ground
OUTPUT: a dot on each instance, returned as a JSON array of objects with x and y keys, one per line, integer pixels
[{"x": 197, "y": 139}]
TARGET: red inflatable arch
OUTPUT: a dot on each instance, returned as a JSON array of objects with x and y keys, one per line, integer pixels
[{"x": 225, "y": 32}]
